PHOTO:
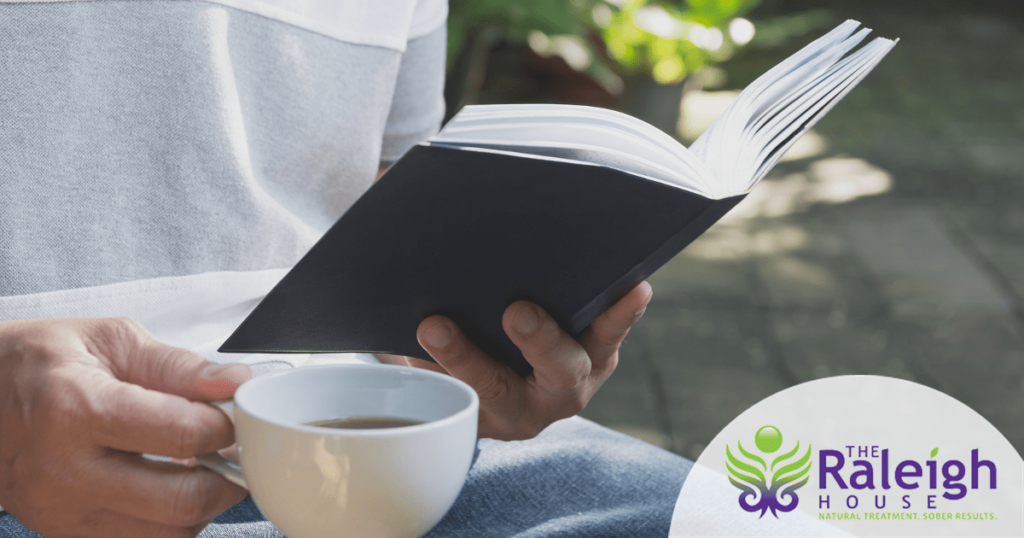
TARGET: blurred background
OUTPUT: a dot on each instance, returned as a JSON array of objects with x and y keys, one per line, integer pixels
[{"x": 890, "y": 241}]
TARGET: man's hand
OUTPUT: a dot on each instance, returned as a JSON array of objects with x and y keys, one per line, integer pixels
[
  {"x": 566, "y": 373},
  {"x": 80, "y": 400}
]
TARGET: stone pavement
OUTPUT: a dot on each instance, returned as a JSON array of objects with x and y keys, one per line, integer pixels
[{"x": 897, "y": 249}]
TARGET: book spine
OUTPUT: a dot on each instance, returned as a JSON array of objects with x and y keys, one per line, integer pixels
[{"x": 675, "y": 244}]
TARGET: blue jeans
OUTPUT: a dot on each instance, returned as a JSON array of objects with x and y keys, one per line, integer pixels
[{"x": 576, "y": 479}]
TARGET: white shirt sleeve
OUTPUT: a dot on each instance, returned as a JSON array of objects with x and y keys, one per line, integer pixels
[
  {"x": 417, "y": 106},
  {"x": 428, "y": 16}
]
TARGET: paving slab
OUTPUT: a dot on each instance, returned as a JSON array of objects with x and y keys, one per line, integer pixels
[
  {"x": 712, "y": 365},
  {"x": 824, "y": 274},
  {"x": 978, "y": 359},
  {"x": 919, "y": 268},
  {"x": 815, "y": 346},
  {"x": 687, "y": 280},
  {"x": 712, "y": 268},
  {"x": 1007, "y": 259}
]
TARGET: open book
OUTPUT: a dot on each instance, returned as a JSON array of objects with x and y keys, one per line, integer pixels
[{"x": 566, "y": 206}]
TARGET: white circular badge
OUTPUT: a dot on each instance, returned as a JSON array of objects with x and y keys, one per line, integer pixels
[{"x": 855, "y": 456}]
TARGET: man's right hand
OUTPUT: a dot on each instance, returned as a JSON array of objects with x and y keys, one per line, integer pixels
[{"x": 80, "y": 400}]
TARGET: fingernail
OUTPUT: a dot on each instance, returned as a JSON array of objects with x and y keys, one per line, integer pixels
[
  {"x": 526, "y": 321},
  {"x": 438, "y": 336},
  {"x": 214, "y": 371},
  {"x": 640, "y": 312}
]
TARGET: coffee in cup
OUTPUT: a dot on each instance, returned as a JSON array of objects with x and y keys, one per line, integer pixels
[{"x": 364, "y": 423}]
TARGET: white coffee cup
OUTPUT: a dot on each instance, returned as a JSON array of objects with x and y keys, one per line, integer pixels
[{"x": 312, "y": 481}]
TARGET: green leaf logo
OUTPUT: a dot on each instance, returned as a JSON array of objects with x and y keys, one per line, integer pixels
[
  {"x": 935, "y": 452},
  {"x": 750, "y": 473}
]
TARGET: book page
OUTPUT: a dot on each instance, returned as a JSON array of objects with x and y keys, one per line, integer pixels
[
  {"x": 589, "y": 134},
  {"x": 773, "y": 111}
]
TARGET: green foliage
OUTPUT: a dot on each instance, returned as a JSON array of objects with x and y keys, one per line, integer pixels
[
  {"x": 662, "y": 38},
  {"x": 515, "y": 19}
]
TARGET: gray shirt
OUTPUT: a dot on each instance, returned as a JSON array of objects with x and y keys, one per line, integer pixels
[{"x": 153, "y": 138}]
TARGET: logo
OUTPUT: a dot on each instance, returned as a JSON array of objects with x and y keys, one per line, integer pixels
[
  {"x": 854, "y": 455},
  {"x": 750, "y": 473}
]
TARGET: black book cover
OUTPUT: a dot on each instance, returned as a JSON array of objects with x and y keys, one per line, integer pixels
[{"x": 465, "y": 233}]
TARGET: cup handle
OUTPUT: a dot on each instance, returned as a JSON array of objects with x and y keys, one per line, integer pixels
[{"x": 213, "y": 461}]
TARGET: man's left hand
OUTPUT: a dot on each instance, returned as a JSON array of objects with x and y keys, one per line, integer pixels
[{"x": 566, "y": 373}]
